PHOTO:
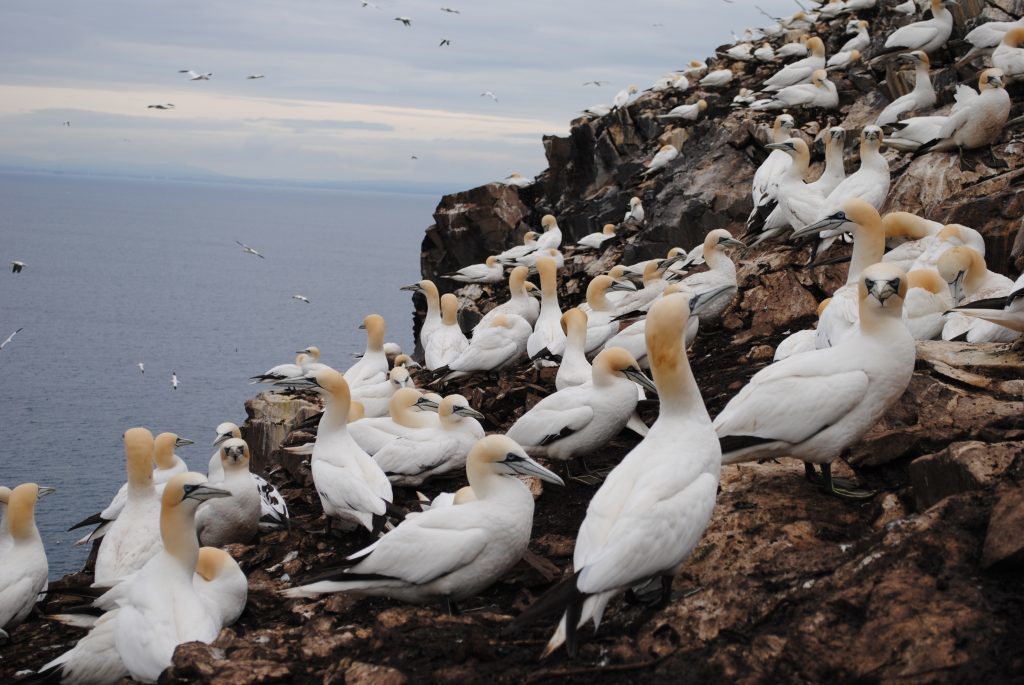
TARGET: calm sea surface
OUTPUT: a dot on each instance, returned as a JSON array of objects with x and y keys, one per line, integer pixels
[{"x": 122, "y": 271}]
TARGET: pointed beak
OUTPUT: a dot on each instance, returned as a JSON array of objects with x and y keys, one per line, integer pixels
[
  {"x": 426, "y": 404},
  {"x": 221, "y": 438},
  {"x": 44, "y": 491},
  {"x": 205, "y": 492},
  {"x": 362, "y": 326},
  {"x": 415, "y": 287},
  {"x": 468, "y": 411},
  {"x": 666, "y": 263},
  {"x": 733, "y": 242},
  {"x": 777, "y": 146},
  {"x": 621, "y": 287},
  {"x": 181, "y": 442},
  {"x": 883, "y": 290},
  {"x": 956, "y": 288},
  {"x": 528, "y": 467},
  {"x": 641, "y": 379},
  {"x": 542, "y": 353}
]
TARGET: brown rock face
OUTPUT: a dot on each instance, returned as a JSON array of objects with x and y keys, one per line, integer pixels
[
  {"x": 1004, "y": 542},
  {"x": 960, "y": 467}
]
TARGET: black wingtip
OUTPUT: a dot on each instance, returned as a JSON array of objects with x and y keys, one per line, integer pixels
[
  {"x": 558, "y": 598},
  {"x": 734, "y": 443},
  {"x": 95, "y": 519}
]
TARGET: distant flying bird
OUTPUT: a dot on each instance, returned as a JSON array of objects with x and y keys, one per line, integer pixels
[
  {"x": 67, "y": 123},
  {"x": 449, "y": 10},
  {"x": 414, "y": 157},
  {"x": 9, "y": 339},
  {"x": 370, "y": 4},
  {"x": 250, "y": 77},
  {"x": 444, "y": 41},
  {"x": 166, "y": 105},
  {"x": 142, "y": 367},
  {"x": 489, "y": 94},
  {"x": 594, "y": 83},
  {"x": 248, "y": 250},
  {"x": 405, "y": 20},
  {"x": 301, "y": 298},
  {"x": 193, "y": 76},
  {"x": 174, "y": 381},
  {"x": 17, "y": 266}
]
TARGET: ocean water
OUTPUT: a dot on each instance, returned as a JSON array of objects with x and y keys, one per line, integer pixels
[{"x": 126, "y": 271}]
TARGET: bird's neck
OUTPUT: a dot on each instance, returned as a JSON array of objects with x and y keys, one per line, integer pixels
[
  {"x": 21, "y": 521},
  {"x": 598, "y": 301},
  {"x": 677, "y": 390},
  {"x": 433, "y": 306},
  {"x": 882, "y": 321},
  {"x": 575, "y": 341},
  {"x": 178, "y": 532},
  {"x": 868, "y": 247},
  {"x": 834, "y": 158},
  {"x": 922, "y": 80}
]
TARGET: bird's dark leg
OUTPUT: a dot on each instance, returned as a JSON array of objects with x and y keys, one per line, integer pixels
[
  {"x": 666, "y": 592},
  {"x": 966, "y": 164},
  {"x": 810, "y": 474},
  {"x": 450, "y": 607},
  {"x": 842, "y": 488},
  {"x": 988, "y": 157}
]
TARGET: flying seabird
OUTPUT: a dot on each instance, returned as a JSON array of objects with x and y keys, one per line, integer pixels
[
  {"x": 406, "y": 21},
  {"x": 142, "y": 367},
  {"x": 174, "y": 380},
  {"x": 450, "y": 10},
  {"x": 444, "y": 42},
  {"x": 489, "y": 94},
  {"x": 9, "y": 338},
  {"x": 595, "y": 83},
  {"x": 248, "y": 250},
  {"x": 193, "y": 76},
  {"x": 301, "y": 298},
  {"x": 252, "y": 77},
  {"x": 17, "y": 266},
  {"x": 166, "y": 105}
]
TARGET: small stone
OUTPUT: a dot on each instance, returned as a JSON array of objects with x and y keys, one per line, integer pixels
[
  {"x": 362, "y": 673},
  {"x": 761, "y": 353}
]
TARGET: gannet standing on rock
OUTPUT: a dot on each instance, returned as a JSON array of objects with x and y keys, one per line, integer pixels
[
  {"x": 977, "y": 120},
  {"x": 860, "y": 40},
  {"x": 651, "y": 511},
  {"x": 578, "y": 420},
  {"x": 800, "y": 71},
  {"x": 689, "y": 112},
  {"x": 820, "y": 92},
  {"x": 594, "y": 241},
  {"x": 928, "y": 35},
  {"x": 601, "y": 313},
  {"x": 635, "y": 211},
  {"x": 446, "y": 554},
  {"x": 621, "y": 98},
  {"x": 970, "y": 280},
  {"x": 500, "y": 343},
  {"x": 446, "y": 341},
  {"x": 921, "y": 97},
  {"x": 488, "y": 272},
  {"x": 551, "y": 238},
  {"x": 574, "y": 369},
  {"x": 237, "y": 518},
  {"x": 282, "y": 371},
  {"x": 24, "y": 569},
  {"x": 134, "y": 537},
  {"x": 665, "y": 154},
  {"x": 273, "y": 508},
  {"x": 547, "y": 332},
  {"x": 835, "y": 171},
  {"x": 432, "y": 320},
  {"x": 352, "y": 487},
  {"x": 373, "y": 367},
  {"x": 798, "y": 203},
  {"x": 766, "y": 178},
  {"x": 721, "y": 274},
  {"x": 519, "y": 303},
  {"x": 815, "y": 405},
  {"x": 513, "y": 253}
]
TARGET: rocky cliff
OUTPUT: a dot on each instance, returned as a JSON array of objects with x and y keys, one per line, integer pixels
[{"x": 921, "y": 584}]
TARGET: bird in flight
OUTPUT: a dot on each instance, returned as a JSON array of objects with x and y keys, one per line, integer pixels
[
  {"x": 9, "y": 339},
  {"x": 67, "y": 123},
  {"x": 489, "y": 94},
  {"x": 174, "y": 381},
  {"x": 301, "y": 298},
  {"x": 444, "y": 41},
  {"x": 248, "y": 250},
  {"x": 142, "y": 367},
  {"x": 193, "y": 76},
  {"x": 413, "y": 157},
  {"x": 450, "y": 10},
  {"x": 251, "y": 77},
  {"x": 405, "y": 20},
  {"x": 17, "y": 266},
  {"x": 370, "y": 4},
  {"x": 165, "y": 105},
  {"x": 594, "y": 83}
]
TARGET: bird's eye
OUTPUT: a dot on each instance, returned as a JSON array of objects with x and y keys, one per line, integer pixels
[
  {"x": 840, "y": 216},
  {"x": 869, "y": 284},
  {"x": 512, "y": 457},
  {"x": 895, "y": 284},
  {"x": 188, "y": 488}
]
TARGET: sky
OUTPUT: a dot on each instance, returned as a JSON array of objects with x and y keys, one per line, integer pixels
[{"x": 348, "y": 94}]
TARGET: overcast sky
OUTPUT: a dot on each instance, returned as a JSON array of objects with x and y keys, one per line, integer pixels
[{"x": 349, "y": 93}]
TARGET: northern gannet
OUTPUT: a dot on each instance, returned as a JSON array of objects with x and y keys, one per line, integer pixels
[
  {"x": 977, "y": 119},
  {"x": 432, "y": 320},
  {"x": 282, "y": 371},
  {"x": 765, "y": 53},
  {"x": 193, "y": 76},
  {"x": 652, "y": 509},
  {"x": 928, "y": 35},
  {"x": 273, "y": 508},
  {"x": 500, "y": 343},
  {"x": 662, "y": 157},
  {"x": 513, "y": 253},
  {"x": 721, "y": 274},
  {"x": 859, "y": 5},
  {"x": 831, "y": 9},
  {"x": 450, "y": 553},
  {"x": 248, "y": 250},
  {"x": 597, "y": 110},
  {"x": 621, "y": 98},
  {"x": 601, "y": 323},
  {"x": 717, "y": 78},
  {"x": 312, "y": 361},
  {"x": 519, "y": 303},
  {"x": 839, "y": 61},
  {"x": 574, "y": 369},
  {"x": 142, "y": 367},
  {"x": 352, "y": 487},
  {"x": 740, "y": 51},
  {"x": 908, "y": 7},
  {"x": 860, "y": 40},
  {"x": 373, "y": 367},
  {"x": 951, "y": 235},
  {"x": 690, "y": 112},
  {"x": 835, "y": 171},
  {"x": 927, "y": 299},
  {"x": 409, "y": 411},
  {"x": 24, "y": 569},
  {"x": 869, "y": 183},
  {"x": 551, "y": 238},
  {"x": 134, "y": 536},
  {"x": 446, "y": 341},
  {"x": 654, "y": 284},
  {"x": 8, "y": 339},
  {"x": 695, "y": 68},
  {"x": 547, "y": 332},
  {"x": 910, "y": 134},
  {"x": 815, "y": 405},
  {"x": 594, "y": 241},
  {"x": 970, "y": 280},
  {"x": 237, "y": 518},
  {"x": 766, "y": 178},
  {"x": 301, "y": 298},
  {"x": 798, "y": 203},
  {"x": 410, "y": 460},
  {"x": 820, "y": 92},
  {"x": 797, "y": 48},
  {"x": 918, "y": 234},
  {"x": 220, "y": 582},
  {"x": 174, "y": 380},
  {"x": 488, "y": 272},
  {"x": 1009, "y": 55},
  {"x": 578, "y": 420},
  {"x": 518, "y": 180},
  {"x": 839, "y": 320},
  {"x": 253, "y": 77},
  {"x": 801, "y": 70},
  {"x": 1006, "y": 312},
  {"x": 921, "y": 97},
  {"x": 406, "y": 21},
  {"x": 16, "y": 266},
  {"x": 375, "y": 398},
  {"x": 635, "y": 211},
  {"x": 163, "y": 105},
  {"x": 988, "y": 35},
  {"x": 530, "y": 260}
]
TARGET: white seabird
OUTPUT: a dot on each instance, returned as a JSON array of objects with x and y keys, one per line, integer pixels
[
  {"x": 194, "y": 76},
  {"x": 237, "y": 518},
  {"x": 373, "y": 366},
  {"x": 764, "y": 53},
  {"x": 951, "y": 235},
  {"x": 24, "y": 569},
  {"x": 446, "y": 554},
  {"x": 766, "y": 178},
  {"x": 797, "y": 48},
  {"x": 717, "y": 78},
  {"x": 721, "y": 274},
  {"x": 835, "y": 171},
  {"x": 921, "y": 97},
  {"x": 301, "y": 298},
  {"x": 174, "y": 380},
  {"x": 860, "y": 40},
  {"x": 918, "y": 235},
  {"x": 977, "y": 119},
  {"x": 513, "y": 253},
  {"x": 1009, "y": 55},
  {"x": 689, "y": 112},
  {"x": 662, "y": 157},
  {"x": 488, "y": 272},
  {"x": 273, "y": 508},
  {"x": 432, "y": 319},
  {"x": 927, "y": 299},
  {"x": 376, "y": 398},
  {"x": 1006, "y": 312},
  {"x": 635, "y": 211},
  {"x": 800, "y": 71},
  {"x": 574, "y": 369},
  {"x": 798, "y": 204},
  {"x": 551, "y": 238},
  {"x": 840, "y": 61},
  {"x": 928, "y": 35},
  {"x": 621, "y": 98},
  {"x": 601, "y": 323},
  {"x": 519, "y": 303},
  {"x": 594, "y": 241},
  {"x": 282, "y": 371},
  {"x": 547, "y": 332},
  {"x": 652, "y": 509},
  {"x": 815, "y": 405},
  {"x": 518, "y": 180},
  {"x": 970, "y": 280},
  {"x": 800, "y": 341},
  {"x": 500, "y": 343},
  {"x": 820, "y": 92},
  {"x": 17, "y": 266}
]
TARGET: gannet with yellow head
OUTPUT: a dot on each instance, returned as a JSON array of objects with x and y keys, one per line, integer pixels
[
  {"x": 621, "y": 98},
  {"x": 820, "y": 92},
  {"x": 766, "y": 178},
  {"x": 1006, "y": 312},
  {"x": 273, "y": 508},
  {"x": 502, "y": 342},
  {"x": 927, "y": 299},
  {"x": 977, "y": 120},
  {"x": 798, "y": 203},
  {"x": 446, "y": 554},
  {"x": 800, "y": 71},
  {"x": 490, "y": 271},
  {"x": 282, "y": 371},
  {"x": 574, "y": 369},
  {"x": 373, "y": 367},
  {"x": 912, "y": 236},
  {"x": 375, "y": 398},
  {"x": 594, "y": 241},
  {"x": 24, "y": 569},
  {"x": 551, "y": 238},
  {"x": 635, "y": 211},
  {"x": 447, "y": 341},
  {"x": 237, "y": 518},
  {"x": 928, "y": 35},
  {"x": 815, "y": 405},
  {"x": 547, "y": 332},
  {"x": 1009, "y": 54},
  {"x": 921, "y": 97},
  {"x": 520, "y": 302},
  {"x": 969, "y": 280},
  {"x": 513, "y": 253},
  {"x": 690, "y": 112},
  {"x": 720, "y": 276}
]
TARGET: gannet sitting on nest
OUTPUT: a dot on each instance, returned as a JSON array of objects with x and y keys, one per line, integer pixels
[
  {"x": 576, "y": 421},
  {"x": 373, "y": 367},
  {"x": 721, "y": 273},
  {"x": 375, "y": 398},
  {"x": 860, "y": 40},
  {"x": 513, "y": 253},
  {"x": 921, "y": 97},
  {"x": 797, "y": 48},
  {"x": 820, "y": 92},
  {"x": 1006, "y": 312},
  {"x": 488, "y": 272},
  {"x": 594, "y": 241},
  {"x": 519, "y": 303},
  {"x": 547, "y": 332},
  {"x": 446, "y": 341},
  {"x": 407, "y": 413},
  {"x": 282, "y": 371},
  {"x": 977, "y": 120},
  {"x": 815, "y": 405},
  {"x": 927, "y": 299},
  {"x": 928, "y": 35},
  {"x": 986, "y": 36},
  {"x": 951, "y": 235},
  {"x": 134, "y": 537},
  {"x": 690, "y": 112},
  {"x": 800, "y": 71},
  {"x": 237, "y": 518},
  {"x": 433, "y": 452},
  {"x": 24, "y": 569},
  {"x": 273, "y": 508},
  {"x": 449, "y": 553},
  {"x": 502, "y": 342},
  {"x": 970, "y": 280},
  {"x": 651, "y": 511},
  {"x": 717, "y": 78}
]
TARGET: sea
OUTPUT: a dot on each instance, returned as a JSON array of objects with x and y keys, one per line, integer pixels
[{"x": 121, "y": 272}]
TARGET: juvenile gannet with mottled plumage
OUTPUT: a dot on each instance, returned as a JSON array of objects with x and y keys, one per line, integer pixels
[
  {"x": 690, "y": 112},
  {"x": 134, "y": 536},
  {"x": 839, "y": 320},
  {"x": 928, "y": 35},
  {"x": 815, "y": 405},
  {"x": 921, "y": 97},
  {"x": 450, "y": 553},
  {"x": 24, "y": 569},
  {"x": 519, "y": 302},
  {"x": 800, "y": 71},
  {"x": 978, "y": 118},
  {"x": 652, "y": 509},
  {"x": 665, "y": 154},
  {"x": 1006, "y": 312},
  {"x": 237, "y": 518},
  {"x": 547, "y": 332},
  {"x": 594, "y": 241},
  {"x": 927, "y": 299},
  {"x": 577, "y": 420},
  {"x": 273, "y": 508},
  {"x": 500, "y": 343},
  {"x": 513, "y": 253},
  {"x": 446, "y": 341},
  {"x": 375, "y": 398},
  {"x": 352, "y": 487},
  {"x": 490, "y": 271},
  {"x": 1009, "y": 55},
  {"x": 635, "y": 211},
  {"x": 373, "y": 366},
  {"x": 432, "y": 452},
  {"x": 970, "y": 280}
]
